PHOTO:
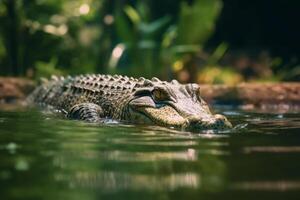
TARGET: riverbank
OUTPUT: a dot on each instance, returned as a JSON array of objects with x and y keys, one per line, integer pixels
[
  {"x": 13, "y": 90},
  {"x": 265, "y": 96}
]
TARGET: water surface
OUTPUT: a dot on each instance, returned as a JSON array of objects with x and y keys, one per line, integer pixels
[{"x": 47, "y": 157}]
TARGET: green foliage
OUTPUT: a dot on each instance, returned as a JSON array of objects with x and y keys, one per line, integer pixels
[
  {"x": 46, "y": 69},
  {"x": 217, "y": 75},
  {"x": 2, "y": 49},
  {"x": 197, "y": 21},
  {"x": 73, "y": 37},
  {"x": 216, "y": 56},
  {"x": 187, "y": 38},
  {"x": 66, "y": 31},
  {"x": 151, "y": 46},
  {"x": 141, "y": 39},
  {"x": 103, "y": 36}
]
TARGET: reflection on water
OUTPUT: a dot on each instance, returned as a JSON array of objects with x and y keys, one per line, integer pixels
[
  {"x": 189, "y": 154},
  {"x": 281, "y": 186},
  {"x": 46, "y": 157},
  {"x": 273, "y": 149},
  {"x": 112, "y": 181}
]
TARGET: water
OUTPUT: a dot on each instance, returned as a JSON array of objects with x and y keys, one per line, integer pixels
[{"x": 46, "y": 157}]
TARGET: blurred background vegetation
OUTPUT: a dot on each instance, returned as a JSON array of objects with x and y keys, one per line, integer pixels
[{"x": 204, "y": 41}]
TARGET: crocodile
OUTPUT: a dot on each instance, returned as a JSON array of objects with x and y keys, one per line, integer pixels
[{"x": 96, "y": 97}]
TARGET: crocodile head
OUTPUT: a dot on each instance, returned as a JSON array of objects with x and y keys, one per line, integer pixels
[{"x": 174, "y": 105}]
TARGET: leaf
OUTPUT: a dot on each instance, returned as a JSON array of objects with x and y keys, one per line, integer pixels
[
  {"x": 186, "y": 48},
  {"x": 123, "y": 28},
  {"x": 196, "y": 21},
  {"x": 132, "y": 14},
  {"x": 149, "y": 28}
]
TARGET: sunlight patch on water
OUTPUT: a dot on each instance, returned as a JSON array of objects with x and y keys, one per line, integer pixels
[
  {"x": 188, "y": 155},
  {"x": 156, "y": 143},
  {"x": 109, "y": 181},
  {"x": 282, "y": 186},
  {"x": 272, "y": 149},
  {"x": 12, "y": 147},
  {"x": 21, "y": 164}
]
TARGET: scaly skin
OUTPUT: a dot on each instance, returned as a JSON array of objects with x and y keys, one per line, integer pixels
[{"x": 96, "y": 97}]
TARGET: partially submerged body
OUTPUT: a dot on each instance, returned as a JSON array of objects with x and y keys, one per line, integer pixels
[{"x": 97, "y": 97}]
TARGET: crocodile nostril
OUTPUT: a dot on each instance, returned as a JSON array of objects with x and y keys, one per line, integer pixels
[
  {"x": 194, "y": 120},
  {"x": 221, "y": 120},
  {"x": 220, "y": 117},
  {"x": 213, "y": 122}
]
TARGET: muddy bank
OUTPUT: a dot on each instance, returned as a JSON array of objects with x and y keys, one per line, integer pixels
[
  {"x": 248, "y": 95},
  {"x": 13, "y": 90},
  {"x": 277, "y": 96}
]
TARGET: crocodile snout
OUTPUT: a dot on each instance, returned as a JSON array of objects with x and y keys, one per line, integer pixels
[{"x": 213, "y": 122}]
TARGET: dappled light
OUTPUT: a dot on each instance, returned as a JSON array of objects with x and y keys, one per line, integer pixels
[{"x": 84, "y": 9}]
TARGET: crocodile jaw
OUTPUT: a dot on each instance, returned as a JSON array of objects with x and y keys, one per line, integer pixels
[
  {"x": 165, "y": 116},
  {"x": 169, "y": 117}
]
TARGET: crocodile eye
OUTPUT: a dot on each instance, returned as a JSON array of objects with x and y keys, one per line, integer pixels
[
  {"x": 160, "y": 95},
  {"x": 198, "y": 94}
]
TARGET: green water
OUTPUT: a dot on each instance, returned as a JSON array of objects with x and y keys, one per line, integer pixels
[{"x": 46, "y": 157}]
